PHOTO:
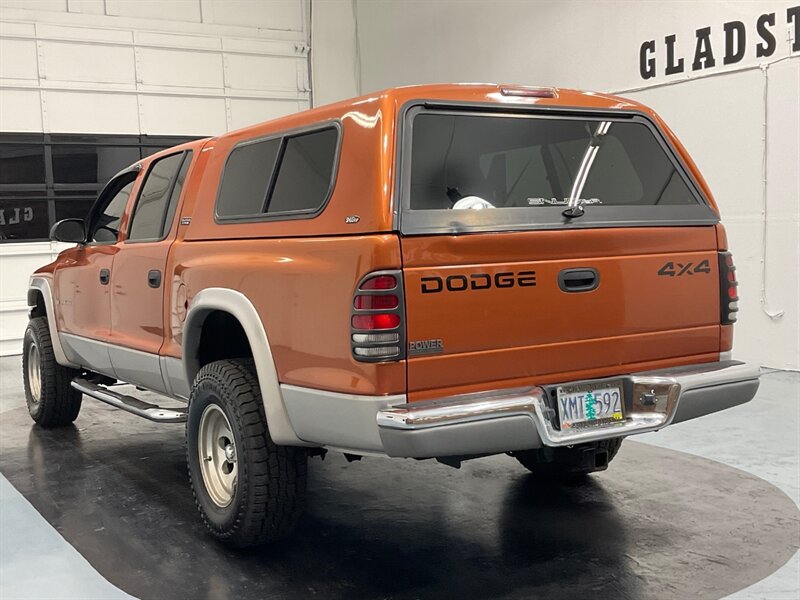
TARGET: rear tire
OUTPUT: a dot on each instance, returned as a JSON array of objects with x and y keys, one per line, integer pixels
[
  {"x": 249, "y": 491},
  {"x": 569, "y": 464},
  {"x": 51, "y": 400}
]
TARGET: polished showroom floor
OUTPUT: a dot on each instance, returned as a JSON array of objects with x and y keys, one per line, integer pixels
[{"x": 103, "y": 510}]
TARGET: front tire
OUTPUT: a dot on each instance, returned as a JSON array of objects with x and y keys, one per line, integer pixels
[
  {"x": 249, "y": 491},
  {"x": 51, "y": 400},
  {"x": 569, "y": 463}
]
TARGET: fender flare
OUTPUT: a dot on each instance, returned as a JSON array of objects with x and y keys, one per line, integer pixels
[
  {"x": 239, "y": 306},
  {"x": 42, "y": 285}
]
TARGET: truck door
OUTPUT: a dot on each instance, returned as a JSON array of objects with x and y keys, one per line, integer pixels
[
  {"x": 137, "y": 285},
  {"x": 82, "y": 280}
]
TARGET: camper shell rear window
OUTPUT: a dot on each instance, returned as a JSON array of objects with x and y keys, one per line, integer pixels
[{"x": 466, "y": 170}]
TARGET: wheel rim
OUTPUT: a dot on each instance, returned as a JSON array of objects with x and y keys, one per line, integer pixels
[
  {"x": 218, "y": 460},
  {"x": 34, "y": 373}
]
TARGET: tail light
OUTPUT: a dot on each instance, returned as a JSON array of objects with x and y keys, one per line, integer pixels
[
  {"x": 528, "y": 91},
  {"x": 728, "y": 289},
  {"x": 377, "y": 321}
]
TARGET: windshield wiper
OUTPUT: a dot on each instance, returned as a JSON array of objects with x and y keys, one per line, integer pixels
[
  {"x": 574, "y": 211},
  {"x": 575, "y": 206}
]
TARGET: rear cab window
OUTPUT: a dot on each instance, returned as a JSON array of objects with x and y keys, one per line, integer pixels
[
  {"x": 289, "y": 176},
  {"x": 465, "y": 170}
]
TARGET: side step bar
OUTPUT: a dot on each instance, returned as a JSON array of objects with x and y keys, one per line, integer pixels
[{"x": 129, "y": 403}]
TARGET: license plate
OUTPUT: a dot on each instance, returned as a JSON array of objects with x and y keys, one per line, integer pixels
[{"x": 585, "y": 405}]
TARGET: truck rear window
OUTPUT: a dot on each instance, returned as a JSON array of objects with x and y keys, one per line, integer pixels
[{"x": 495, "y": 172}]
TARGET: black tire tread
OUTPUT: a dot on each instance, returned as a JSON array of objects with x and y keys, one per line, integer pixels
[
  {"x": 273, "y": 476},
  {"x": 60, "y": 403}
]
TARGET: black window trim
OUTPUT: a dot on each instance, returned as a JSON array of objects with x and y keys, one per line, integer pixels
[
  {"x": 409, "y": 222},
  {"x": 285, "y": 215},
  {"x": 100, "y": 202},
  {"x": 187, "y": 155}
]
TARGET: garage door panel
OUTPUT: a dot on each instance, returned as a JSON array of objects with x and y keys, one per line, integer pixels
[
  {"x": 74, "y": 62},
  {"x": 20, "y": 110},
  {"x": 18, "y": 59},
  {"x": 174, "y": 115},
  {"x": 276, "y": 14},
  {"x": 179, "y": 68},
  {"x": 88, "y": 112},
  {"x": 263, "y": 73},
  {"x": 246, "y": 112},
  {"x": 155, "y": 9}
]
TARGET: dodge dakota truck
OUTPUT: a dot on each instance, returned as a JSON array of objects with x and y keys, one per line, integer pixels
[{"x": 435, "y": 272}]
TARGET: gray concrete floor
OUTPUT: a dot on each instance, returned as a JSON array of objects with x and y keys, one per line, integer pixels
[
  {"x": 29, "y": 546},
  {"x": 761, "y": 438}
]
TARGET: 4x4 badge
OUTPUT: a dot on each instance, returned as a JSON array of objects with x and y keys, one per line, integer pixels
[{"x": 672, "y": 269}]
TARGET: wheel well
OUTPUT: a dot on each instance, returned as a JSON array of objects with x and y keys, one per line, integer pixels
[
  {"x": 221, "y": 337},
  {"x": 36, "y": 303}
]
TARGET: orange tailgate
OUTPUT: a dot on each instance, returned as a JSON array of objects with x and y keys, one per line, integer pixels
[{"x": 495, "y": 302}]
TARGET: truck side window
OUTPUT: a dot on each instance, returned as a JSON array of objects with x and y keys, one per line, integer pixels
[
  {"x": 305, "y": 173},
  {"x": 246, "y": 178},
  {"x": 176, "y": 194},
  {"x": 253, "y": 186},
  {"x": 157, "y": 198}
]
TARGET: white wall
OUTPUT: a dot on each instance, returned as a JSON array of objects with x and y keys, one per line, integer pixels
[
  {"x": 169, "y": 67},
  {"x": 718, "y": 112},
  {"x": 334, "y": 67}
]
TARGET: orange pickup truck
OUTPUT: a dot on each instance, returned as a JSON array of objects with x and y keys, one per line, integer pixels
[{"x": 445, "y": 272}]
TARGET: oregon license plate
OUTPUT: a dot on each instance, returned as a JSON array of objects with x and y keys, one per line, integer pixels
[{"x": 589, "y": 404}]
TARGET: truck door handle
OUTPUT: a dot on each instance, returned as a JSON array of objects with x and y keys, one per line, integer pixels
[
  {"x": 105, "y": 276},
  {"x": 154, "y": 278},
  {"x": 578, "y": 280}
]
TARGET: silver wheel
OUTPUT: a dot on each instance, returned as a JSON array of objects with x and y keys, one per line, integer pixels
[
  {"x": 49, "y": 396},
  {"x": 217, "y": 451},
  {"x": 34, "y": 373}
]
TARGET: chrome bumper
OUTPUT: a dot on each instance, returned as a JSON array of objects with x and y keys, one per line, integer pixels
[{"x": 522, "y": 418}]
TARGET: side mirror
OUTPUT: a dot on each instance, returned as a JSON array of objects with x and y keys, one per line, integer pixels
[{"x": 72, "y": 231}]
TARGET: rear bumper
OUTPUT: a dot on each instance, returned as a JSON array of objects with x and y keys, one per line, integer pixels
[{"x": 520, "y": 419}]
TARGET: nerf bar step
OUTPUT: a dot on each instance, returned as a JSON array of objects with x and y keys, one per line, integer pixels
[{"x": 129, "y": 404}]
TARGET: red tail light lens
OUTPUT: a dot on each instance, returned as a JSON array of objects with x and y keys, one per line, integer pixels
[
  {"x": 728, "y": 289},
  {"x": 376, "y": 302},
  {"x": 377, "y": 333},
  {"x": 381, "y": 321},
  {"x": 379, "y": 282}
]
